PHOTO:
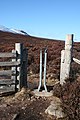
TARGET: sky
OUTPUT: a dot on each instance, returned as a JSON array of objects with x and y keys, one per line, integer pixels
[{"x": 52, "y": 19}]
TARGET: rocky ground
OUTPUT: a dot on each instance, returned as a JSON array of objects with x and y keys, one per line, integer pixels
[{"x": 24, "y": 106}]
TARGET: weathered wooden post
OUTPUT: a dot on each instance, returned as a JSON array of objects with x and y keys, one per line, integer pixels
[
  {"x": 66, "y": 65},
  {"x": 14, "y": 69},
  {"x": 24, "y": 67},
  {"x": 68, "y": 54},
  {"x": 19, "y": 49},
  {"x": 62, "y": 68}
]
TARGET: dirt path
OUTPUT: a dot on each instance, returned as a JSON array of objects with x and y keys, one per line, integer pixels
[{"x": 24, "y": 106}]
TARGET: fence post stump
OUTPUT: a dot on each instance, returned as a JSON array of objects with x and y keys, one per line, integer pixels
[
  {"x": 67, "y": 59},
  {"x": 19, "y": 49}
]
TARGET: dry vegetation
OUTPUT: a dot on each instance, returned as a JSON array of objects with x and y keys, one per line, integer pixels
[{"x": 69, "y": 93}]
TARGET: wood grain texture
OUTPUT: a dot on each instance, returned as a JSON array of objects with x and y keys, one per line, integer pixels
[
  {"x": 10, "y": 64},
  {"x": 8, "y": 55},
  {"x": 7, "y": 82},
  {"x": 7, "y": 72}
]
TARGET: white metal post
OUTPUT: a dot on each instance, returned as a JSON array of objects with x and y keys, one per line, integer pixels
[
  {"x": 45, "y": 61},
  {"x": 40, "y": 81}
]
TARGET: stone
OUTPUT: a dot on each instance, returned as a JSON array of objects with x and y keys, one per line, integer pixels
[
  {"x": 3, "y": 105},
  {"x": 55, "y": 109},
  {"x": 42, "y": 94},
  {"x": 52, "y": 82}
]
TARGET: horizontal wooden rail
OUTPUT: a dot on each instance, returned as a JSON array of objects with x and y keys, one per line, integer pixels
[
  {"x": 7, "y": 82},
  {"x": 76, "y": 60},
  {"x": 7, "y": 89},
  {"x": 10, "y": 64},
  {"x": 8, "y": 55},
  {"x": 16, "y": 73},
  {"x": 7, "y": 72}
]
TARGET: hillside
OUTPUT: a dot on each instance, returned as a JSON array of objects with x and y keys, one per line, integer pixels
[
  {"x": 34, "y": 44},
  {"x": 69, "y": 93}
]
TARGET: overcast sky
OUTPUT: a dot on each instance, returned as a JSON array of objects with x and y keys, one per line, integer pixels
[{"x": 42, "y": 18}]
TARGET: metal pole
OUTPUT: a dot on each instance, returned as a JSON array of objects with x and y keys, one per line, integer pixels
[
  {"x": 40, "y": 82},
  {"x": 45, "y": 61}
]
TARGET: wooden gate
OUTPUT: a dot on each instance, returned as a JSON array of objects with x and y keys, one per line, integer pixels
[{"x": 13, "y": 72}]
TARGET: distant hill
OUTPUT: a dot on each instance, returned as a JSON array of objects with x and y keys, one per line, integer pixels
[{"x": 5, "y": 29}]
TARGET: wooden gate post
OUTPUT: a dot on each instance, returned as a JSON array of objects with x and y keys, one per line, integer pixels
[
  {"x": 67, "y": 59},
  {"x": 19, "y": 49},
  {"x": 24, "y": 67},
  {"x": 14, "y": 70},
  {"x": 68, "y": 55}
]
